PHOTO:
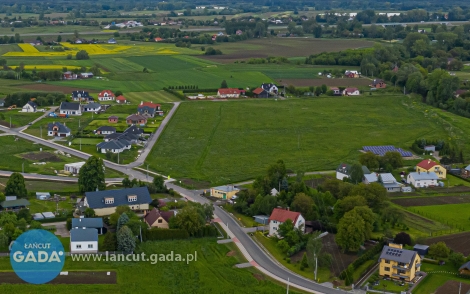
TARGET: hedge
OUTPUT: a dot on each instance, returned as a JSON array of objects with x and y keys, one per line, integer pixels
[
  {"x": 368, "y": 255},
  {"x": 52, "y": 220},
  {"x": 176, "y": 93}
]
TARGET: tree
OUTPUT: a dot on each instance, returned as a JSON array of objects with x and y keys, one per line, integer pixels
[
  {"x": 324, "y": 88},
  {"x": 350, "y": 235},
  {"x": 369, "y": 218},
  {"x": 22, "y": 225},
  {"x": 457, "y": 259},
  {"x": 305, "y": 205},
  {"x": 159, "y": 183},
  {"x": 24, "y": 214},
  {"x": 189, "y": 219},
  {"x": 304, "y": 262},
  {"x": 82, "y": 55},
  {"x": 318, "y": 91},
  {"x": 89, "y": 212},
  {"x": 347, "y": 204},
  {"x": 91, "y": 175},
  {"x": 374, "y": 193},
  {"x": 145, "y": 70},
  {"x": 3, "y": 240},
  {"x": 402, "y": 238},
  {"x": 113, "y": 218},
  {"x": 126, "y": 183},
  {"x": 69, "y": 56},
  {"x": 110, "y": 242},
  {"x": 125, "y": 240},
  {"x": 59, "y": 39},
  {"x": 283, "y": 246},
  {"x": 224, "y": 84},
  {"x": 35, "y": 225},
  {"x": 370, "y": 160},
  {"x": 439, "y": 250},
  {"x": 16, "y": 186},
  {"x": 122, "y": 221},
  {"x": 393, "y": 158},
  {"x": 356, "y": 173}
]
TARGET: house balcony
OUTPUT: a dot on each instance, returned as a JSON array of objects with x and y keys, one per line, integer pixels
[
  {"x": 401, "y": 276},
  {"x": 401, "y": 267}
]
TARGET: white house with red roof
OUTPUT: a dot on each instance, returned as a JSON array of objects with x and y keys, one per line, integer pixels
[
  {"x": 149, "y": 109},
  {"x": 280, "y": 215},
  {"x": 351, "y": 92},
  {"x": 106, "y": 95},
  {"x": 230, "y": 93},
  {"x": 121, "y": 99}
]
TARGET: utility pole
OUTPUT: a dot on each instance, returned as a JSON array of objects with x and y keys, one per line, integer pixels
[
  {"x": 80, "y": 144},
  {"x": 10, "y": 122},
  {"x": 41, "y": 131},
  {"x": 118, "y": 157},
  {"x": 78, "y": 123},
  {"x": 22, "y": 167},
  {"x": 316, "y": 265},
  {"x": 147, "y": 172},
  {"x": 287, "y": 285}
]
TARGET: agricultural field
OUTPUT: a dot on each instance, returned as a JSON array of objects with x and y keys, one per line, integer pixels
[
  {"x": 226, "y": 142},
  {"x": 46, "y": 186},
  {"x": 458, "y": 242},
  {"x": 459, "y": 218},
  {"x": 214, "y": 272},
  {"x": 432, "y": 200},
  {"x": 337, "y": 82}
]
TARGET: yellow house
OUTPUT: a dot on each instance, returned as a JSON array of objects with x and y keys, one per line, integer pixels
[
  {"x": 224, "y": 192},
  {"x": 159, "y": 219},
  {"x": 398, "y": 263},
  {"x": 428, "y": 165}
]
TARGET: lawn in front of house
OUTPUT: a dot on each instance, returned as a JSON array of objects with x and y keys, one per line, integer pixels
[
  {"x": 246, "y": 220},
  {"x": 437, "y": 276},
  {"x": 37, "y": 205}
]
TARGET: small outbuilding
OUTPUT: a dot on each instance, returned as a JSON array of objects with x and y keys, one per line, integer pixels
[
  {"x": 465, "y": 269},
  {"x": 43, "y": 195},
  {"x": 262, "y": 219},
  {"x": 421, "y": 249},
  {"x": 430, "y": 148}
]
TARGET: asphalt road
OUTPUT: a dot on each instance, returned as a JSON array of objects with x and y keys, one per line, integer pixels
[{"x": 258, "y": 255}]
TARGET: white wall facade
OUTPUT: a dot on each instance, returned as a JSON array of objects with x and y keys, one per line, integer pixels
[{"x": 84, "y": 247}]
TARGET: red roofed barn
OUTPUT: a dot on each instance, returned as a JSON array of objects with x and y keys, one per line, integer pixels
[
  {"x": 230, "y": 93},
  {"x": 279, "y": 216}
]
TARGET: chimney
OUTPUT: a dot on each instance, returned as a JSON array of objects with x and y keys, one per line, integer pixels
[
  {"x": 141, "y": 102},
  {"x": 429, "y": 161},
  {"x": 288, "y": 209}
]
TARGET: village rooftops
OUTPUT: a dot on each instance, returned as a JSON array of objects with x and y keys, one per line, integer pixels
[
  {"x": 70, "y": 105},
  {"x": 424, "y": 176},
  {"x": 398, "y": 255},
  {"x": 60, "y": 127},
  {"x": 95, "y": 222},
  {"x": 154, "y": 214},
  {"x": 120, "y": 197},
  {"x": 83, "y": 235}
]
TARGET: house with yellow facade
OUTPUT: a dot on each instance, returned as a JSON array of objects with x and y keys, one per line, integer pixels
[
  {"x": 224, "y": 192},
  {"x": 159, "y": 219},
  {"x": 398, "y": 263},
  {"x": 428, "y": 165}
]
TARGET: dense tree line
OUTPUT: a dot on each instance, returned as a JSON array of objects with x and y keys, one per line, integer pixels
[{"x": 42, "y": 98}]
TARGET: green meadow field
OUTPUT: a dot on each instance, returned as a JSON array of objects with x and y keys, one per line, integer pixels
[
  {"x": 230, "y": 141},
  {"x": 459, "y": 216}
]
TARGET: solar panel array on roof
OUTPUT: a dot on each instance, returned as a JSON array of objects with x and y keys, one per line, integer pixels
[
  {"x": 381, "y": 150},
  {"x": 394, "y": 252}
]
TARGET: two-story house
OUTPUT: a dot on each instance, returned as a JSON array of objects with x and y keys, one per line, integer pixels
[
  {"x": 106, "y": 95},
  {"x": 57, "y": 129},
  {"x": 105, "y": 202},
  {"x": 70, "y": 108},
  {"x": 398, "y": 263},
  {"x": 149, "y": 109},
  {"x": 279, "y": 216},
  {"x": 270, "y": 88},
  {"x": 81, "y": 96},
  {"x": 159, "y": 219},
  {"x": 428, "y": 165},
  {"x": 83, "y": 240},
  {"x": 422, "y": 179}
]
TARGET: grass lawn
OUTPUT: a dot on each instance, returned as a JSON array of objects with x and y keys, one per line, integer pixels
[
  {"x": 213, "y": 272},
  {"x": 454, "y": 181},
  {"x": 323, "y": 274},
  {"x": 125, "y": 157},
  {"x": 390, "y": 286},
  {"x": 437, "y": 276},
  {"x": 18, "y": 119},
  {"x": 247, "y": 221},
  {"x": 223, "y": 142},
  {"x": 44, "y": 205},
  {"x": 46, "y": 186},
  {"x": 72, "y": 122},
  {"x": 458, "y": 218}
]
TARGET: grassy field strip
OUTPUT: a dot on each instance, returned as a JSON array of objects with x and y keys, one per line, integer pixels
[
  {"x": 457, "y": 219},
  {"x": 154, "y": 96}
]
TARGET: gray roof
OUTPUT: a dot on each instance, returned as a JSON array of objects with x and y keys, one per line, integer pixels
[
  {"x": 83, "y": 235},
  {"x": 424, "y": 176},
  {"x": 136, "y": 117},
  {"x": 344, "y": 168},
  {"x": 398, "y": 255},
  {"x": 113, "y": 144},
  {"x": 62, "y": 128},
  {"x": 146, "y": 109},
  {"x": 226, "y": 188},
  {"x": 387, "y": 178},
  {"x": 95, "y": 222},
  {"x": 467, "y": 168},
  {"x": 420, "y": 246},
  {"x": 106, "y": 129},
  {"x": 465, "y": 266},
  {"x": 391, "y": 185},
  {"x": 92, "y": 105},
  {"x": 96, "y": 199},
  {"x": 14, "y": 203},
  {"x": 34, "y": 105},
  {"x": 371, "y": 178},
  {"x": 134, "y": 130},
  {"x": 70, "y": 105}
]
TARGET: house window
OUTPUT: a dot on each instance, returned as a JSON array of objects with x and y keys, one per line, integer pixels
[
  {"x": 387, "y": 269},
  {"x": 160, "y": 221},
  {"x": 79, "y": 247},
  {"x": 90, "y": 246},
  {"x": 387, "y": 261},
  {"x": 108, "y": 200}
]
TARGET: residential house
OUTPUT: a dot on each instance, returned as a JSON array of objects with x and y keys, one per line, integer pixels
[
  {"x": 74, "y": 168},
  {"x": 106, "y": 95},
  {"x": 466, "y": 172},
  {"x": 131, "y": 138},
  {"x": 43, "y": 195},
  {"x": 2, "y": 102},
  {"x": 149, "y": 109},
  {"x": 428, "y": 165},
  {"x": 351, "y": 92},
  {"x": 224, "y": 192},
  {"x": 351, "y": 74},
  {"x": 422, "y": 179},
  {"x": 83, "y": 241},
  {"x": 70, "y": 108},
  {"x": 88, "y": 223},
  {"x": 378, "y": 83},
  {"x": 91, "y": 107},
  {"x": 105, "y": 130},
  {"x": 121, "y": 99},
  {"x": 388, "y": 181},
  {"x": 68, "y": 75},
  {"x": 460, "y": 92},
  {"x": 279, "y": 216},
  {"x": 17, "y": 204},
  {"x": 113, "y": 119},
  {"x": 29, "y": 107},
  {"x": 86, "y": 75},
  {"x": 398, "y": 263},
  {"x": 112, "y": 41},
  {"x": 230, "y": 93},
  {"x": 336, "y": 91},
  {"x": 344, "y": 171},
  {"x": 113, "y": 146},
  {"x": 105, "y": 202},
  {"x": 270, "y": 88},
  {"x": 134, "y": 130},
  {"x": 260, "y": 93},
  {"x": 465, "y": 269},
  {"x": 81, "y": 96},
  {"x": 136, "y": 119},
  {"x": 158, "y": 39},
  {"x": 159, "y": 219},
  {"x": 57, "y": 129}
]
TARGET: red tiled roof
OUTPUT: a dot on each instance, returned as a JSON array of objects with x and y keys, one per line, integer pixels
[
  {"x": 334, "y": 88},
  {"x": 427, "y": 164},
  {"x": 149, "y": 104},
  {"x": 158, "y": 39},
  {"x": 281, "y": 215},
  {"x": 101, "y": 94},
  {"x": 120, "y": 97},
  {"x": 258, "y": 91},
  {"x": 226, "y": 91}
]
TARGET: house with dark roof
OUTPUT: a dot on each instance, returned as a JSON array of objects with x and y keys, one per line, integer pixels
[
  {"x": 378, "y": 84},
  {"x": 270, "y": 88},
  {"x": 132, "y": 138},
  {"x": 159, "y": 219},
  {"x": 149, "y": 109},
  {"x": 113, "y": 119},
  {"x": 29, "y": 107},
  {"x": 106, "y": 95},
  {"x": 113, "y": 146},
  {"x": 13, "y": 205},
  {"x": 465, "y": 269},
  {"x": 344, "y": 171},
  {"x": 81, "y": 96},
  {"x": 105, "y": 130},
  {"x": 83, "y": 240},
  {"x": 428, "y": 165},
  {"x": 260, "y": 93},
  {"x": 280, "y": 216},
  {"x": 88, "y": 223},
  {"x": 398, "y": 263},
  {"x": 134, "y": 130},
  {"x": 56, "y": 129},
  {"x": 136, "y": 119},
  {"x": 91, "y": 107},
  {"x": 70, "y": 108},
  {"x": 105, "y": 202}
]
